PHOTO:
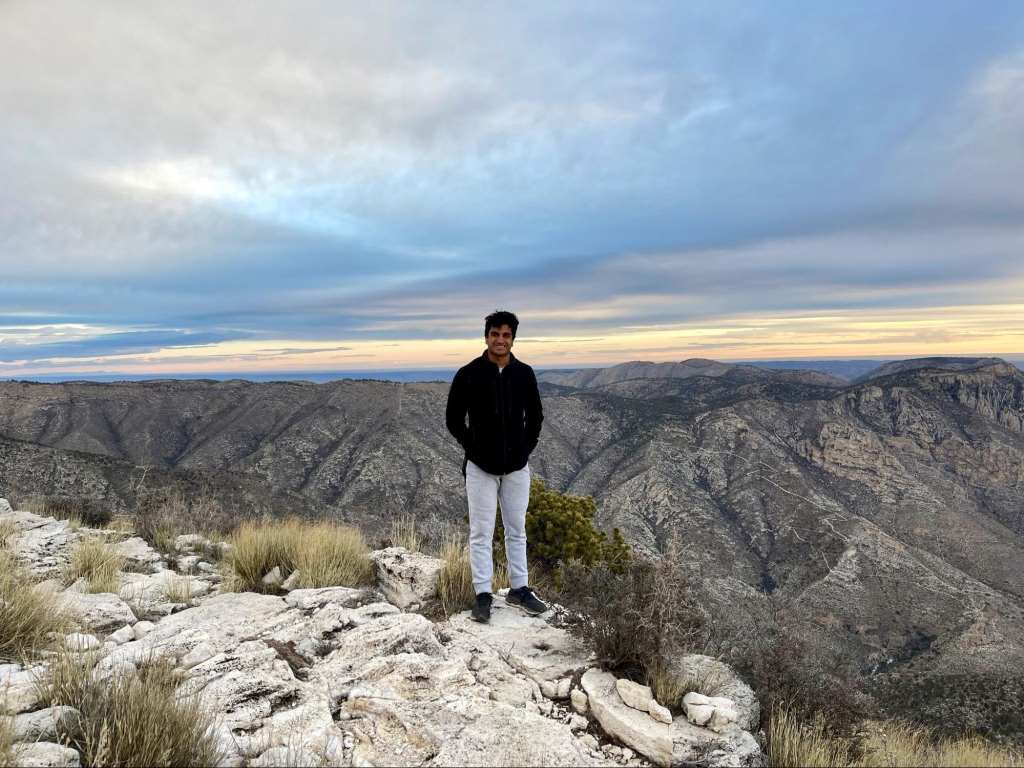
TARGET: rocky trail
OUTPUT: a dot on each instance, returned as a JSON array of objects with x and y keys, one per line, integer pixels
[{"x": 359, "y": 677}]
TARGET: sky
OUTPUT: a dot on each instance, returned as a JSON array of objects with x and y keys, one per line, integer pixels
[{"x": 300, "y": 186}]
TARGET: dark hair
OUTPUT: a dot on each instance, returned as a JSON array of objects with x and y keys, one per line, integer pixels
[{"x": 500, "y": 317}]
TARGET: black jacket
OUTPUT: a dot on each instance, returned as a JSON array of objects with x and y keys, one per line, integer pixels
[{"x": 504, "y": 411}]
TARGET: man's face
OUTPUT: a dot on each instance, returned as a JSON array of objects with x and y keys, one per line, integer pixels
[{"x": 499, "y": 340}]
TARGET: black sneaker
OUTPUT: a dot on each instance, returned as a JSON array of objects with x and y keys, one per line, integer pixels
[
  {"x": 525, "y": 599},
  {"x": 482, "y": 607}
]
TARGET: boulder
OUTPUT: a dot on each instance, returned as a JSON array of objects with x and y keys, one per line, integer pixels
[
  {"x": 723, "y": 681},
  {"x": 677, "y": 743},
  {"x": 633, "y": 694},
  {"x": 579, "y": 701},
  {"x": 41, "y": 544},
  {"x": 45, "y": 724},
  {"x": 658, "y": 712},
  {"x": 19, "y": 691},
  {"x": 45, "y": 754},
  {"x": 138, "y": 555},
  {"x": 77, "y": 641},
  {"x": 124, "y": 635},
  {"x": 102, "y": 612},
  {"x": 714, "y": 712},
  {"x": 407, "y": 579},
  {"x": 624, "y": 723}
]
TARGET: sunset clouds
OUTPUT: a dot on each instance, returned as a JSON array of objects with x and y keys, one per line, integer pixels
[{"x": 324, "y": 186}]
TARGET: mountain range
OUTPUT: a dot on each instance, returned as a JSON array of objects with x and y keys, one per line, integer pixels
[{"x": 885, "y": 514}]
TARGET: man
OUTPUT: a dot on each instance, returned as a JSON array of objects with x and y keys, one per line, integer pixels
[{"x": 499, "y": 394}]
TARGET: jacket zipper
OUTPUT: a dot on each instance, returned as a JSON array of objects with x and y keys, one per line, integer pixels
[{"x": 501, "y": 407}]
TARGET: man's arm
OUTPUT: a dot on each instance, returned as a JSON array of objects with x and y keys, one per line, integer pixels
[
  {"x": 534, "y": 412},
  {"x": 455, "y": 413}
]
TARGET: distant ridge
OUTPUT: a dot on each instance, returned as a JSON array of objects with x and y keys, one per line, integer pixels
[
  {"x": 940, "y": 363},
  {"x": 685, "y": 369}
]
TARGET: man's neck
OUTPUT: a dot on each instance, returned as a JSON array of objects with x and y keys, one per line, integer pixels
[{"x": 501, "y": 362}]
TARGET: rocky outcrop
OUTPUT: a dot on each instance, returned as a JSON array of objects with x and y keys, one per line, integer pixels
[
  {"x": 340, "y": 676},
  {"x": 407, "y": 579},
  {"x": 665, "y": 744}
]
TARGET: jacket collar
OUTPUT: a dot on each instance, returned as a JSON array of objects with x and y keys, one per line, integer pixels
[{"x": 511, "y": 360}]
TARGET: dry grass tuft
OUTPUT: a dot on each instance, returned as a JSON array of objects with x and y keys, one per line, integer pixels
[
  {"x": 7, "y": 530},
  {"x": 333, "y": 555},
  {"x": 898, "y": 743},
  {"x": 30, "y": 615},
  {"x": 133, "y": 719},
  {"x": 98, "y": 563},
  {"x": 812, "y": 745},
  {"x": 404, "y": 534},
  {"x": 455, "y": 581},
  {"x": 325, "y": 554},
  {"x": 815, "y": 744},
  {"x": 178, "y": 589},
  {"x": 6, "y": 740}
]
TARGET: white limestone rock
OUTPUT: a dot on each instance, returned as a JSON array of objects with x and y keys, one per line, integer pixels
[
  {"x": 312, "y": 599},
  {"x": 138, "y": 555},
  {"x": 19, "y": 691},
  {"x": 726, "y": 684},
  {"x": 142, "y": 628},
  {"x": 624, "y": 723},
  {"x": 633, "y": 694},
  {"x": 292, "y": 581},
  {"x": 579, "y": 701},
  {"x": 45, "y": 754},
  {"x": 273, "y": 577},
  {"x": 80, "y": 642},
  {"x": 124, "y": 635},
  {"x": 678, "y": 743},
  {"x": 658, "y": 712},
  {"x": 562, "y": 691},
  {"x": 45, "y": 724},
  {"x": 102, "y": 612},
  {"x": 530, "y": 644},
  {"x": 407, "y": 579},
  {"x": 41, "y": 544}
]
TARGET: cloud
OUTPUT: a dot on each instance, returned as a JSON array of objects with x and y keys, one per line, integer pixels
[{"x": 312, "y": 174}]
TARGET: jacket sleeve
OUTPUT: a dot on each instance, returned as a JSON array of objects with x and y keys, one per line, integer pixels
[
  {"x": 458, "y": 405},
  {"x": 534, "y": 412}
]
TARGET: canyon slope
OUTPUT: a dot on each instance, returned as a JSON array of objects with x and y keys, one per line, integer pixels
[{"x": 886, "y": 516}]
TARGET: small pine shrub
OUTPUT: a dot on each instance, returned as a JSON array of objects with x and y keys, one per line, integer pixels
[
  {"x": 560, "y": 527},
  {"x": 131, "y": 719},
  {"x": 30, "y": 615},
  {"x": 98, "y": 563}
]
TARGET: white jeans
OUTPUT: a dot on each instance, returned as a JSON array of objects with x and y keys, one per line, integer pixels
[{"x": 484, "y": 491}]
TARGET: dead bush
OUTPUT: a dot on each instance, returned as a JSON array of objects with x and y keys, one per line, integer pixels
[{"x": 635, "y": 619}]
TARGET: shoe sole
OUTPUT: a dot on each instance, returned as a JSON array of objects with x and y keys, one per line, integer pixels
[{"x": 524, "y": 609}]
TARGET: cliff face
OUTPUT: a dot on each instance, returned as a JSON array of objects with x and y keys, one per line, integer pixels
[{"x": 886, "y": 516}]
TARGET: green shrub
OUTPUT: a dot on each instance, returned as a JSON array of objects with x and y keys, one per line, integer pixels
[{"x": 560, "y": 527}]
